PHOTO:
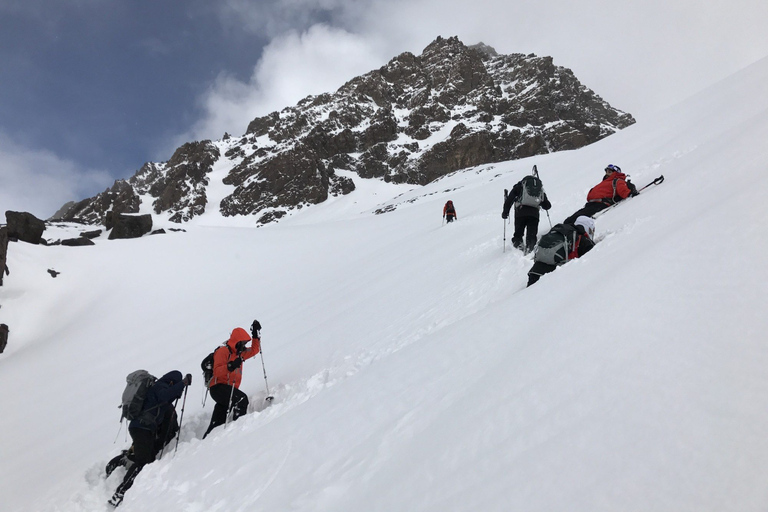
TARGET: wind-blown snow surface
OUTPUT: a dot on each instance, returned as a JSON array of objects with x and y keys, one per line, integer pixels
[{"x": 412, "y": 369}]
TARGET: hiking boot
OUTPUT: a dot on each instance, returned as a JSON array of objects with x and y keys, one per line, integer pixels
[
  {"x": 120, "y": 460},
  {"x": 116, "y": 499}
]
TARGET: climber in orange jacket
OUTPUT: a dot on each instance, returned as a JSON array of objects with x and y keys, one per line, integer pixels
[
  {"x": 614, "y": 188},
  {"x": 227, "y": 374}
]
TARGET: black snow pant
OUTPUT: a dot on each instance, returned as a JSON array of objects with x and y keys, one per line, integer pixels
[
  {"x": 143, "y": 454},
  {"x": 539, "y": 269},
  {"x": 147, "y": 444},
  {"x": 529, "y": 225},
  {"x": 221, "y": 394},
  {"x": 589, "y": 210}
]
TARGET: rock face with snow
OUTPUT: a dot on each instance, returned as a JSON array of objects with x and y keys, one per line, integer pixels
[
  {"x": 128, "y": 226},
  {"x": 25, "y": 227},
  {"x": 412, "y": 121}
]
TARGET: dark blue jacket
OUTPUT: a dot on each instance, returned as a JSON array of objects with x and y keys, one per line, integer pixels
[{"x": 159, "y": 400}]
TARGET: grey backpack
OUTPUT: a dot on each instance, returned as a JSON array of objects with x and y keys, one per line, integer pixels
[
  {"x": 532, "y": 193},
  {"x": 553, "y": 248},
  {"x": 136, "y": 388}
]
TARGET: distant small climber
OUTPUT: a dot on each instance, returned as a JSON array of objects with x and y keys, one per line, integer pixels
[
  {"x": 53, "y": 273},
  {"x": 615, "y": 187},
  {"x": 563, "y": 243},
  {"x": 449, "y": 212}
]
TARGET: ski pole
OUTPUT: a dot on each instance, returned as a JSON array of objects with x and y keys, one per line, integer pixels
[
  {"x": 504, "y": 240},
  {"x": 181, "y": 420},
  {"x": 229, "y": 407},
  {"x": 269, "y": 397},
  {"x": 550, "y": 220},
  {"x": 657, "y": 181}
]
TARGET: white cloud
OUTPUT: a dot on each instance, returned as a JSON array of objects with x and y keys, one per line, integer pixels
[
  {"x": 40, "y": 182},
  {"x": 639, "y": 57},
  {"x": 292, "y": 66}
]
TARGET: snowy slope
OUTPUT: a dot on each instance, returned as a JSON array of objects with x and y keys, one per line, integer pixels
[{"x": 412, "y": 369}]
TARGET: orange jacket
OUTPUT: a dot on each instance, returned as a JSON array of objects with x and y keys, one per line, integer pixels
[
  {"x": 228, "y": 353},
  {"x": 449, "y": 210},
  {"x": 611, "y": 190}
]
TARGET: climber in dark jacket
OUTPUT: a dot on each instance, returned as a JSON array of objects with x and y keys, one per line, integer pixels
[
  {"x": 526, "y": 215},
  {"x": 583, "y": 241},
  {"x": 154, "y": 428}
]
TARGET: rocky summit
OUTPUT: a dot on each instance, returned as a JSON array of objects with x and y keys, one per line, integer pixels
[{"x": 411, "y": 121}]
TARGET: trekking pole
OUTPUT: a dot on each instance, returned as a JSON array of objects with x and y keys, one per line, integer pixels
[
  {"x": 550, "y": 220},
  {"x": 504, "y": 240},
  {"x": 269, "y": 397},
  {"x": 181, "y": 420},
  {"x": 229, "y": 407},
  {"x": 657, "y": 181}
]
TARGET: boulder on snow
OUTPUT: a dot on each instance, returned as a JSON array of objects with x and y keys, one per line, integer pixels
[
  {"x": 77, "y": 242},
  {"x": 25, "y": 227},
  {"x": 91, "y": 234},
  {"x": 129, "y": 226},
  {"x": 3, "y": 252},
  {"x": 3, "y": 337}
]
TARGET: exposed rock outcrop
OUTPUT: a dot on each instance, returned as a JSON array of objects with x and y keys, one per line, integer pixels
[
  {"x": 413, "y": 120},
  {"x": 25, "y": 227}
]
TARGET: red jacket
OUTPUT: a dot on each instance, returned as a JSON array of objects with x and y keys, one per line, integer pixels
[
  {"x": 227, "y": 354},
  {"x": 449, "y": 210},
  {"x": 611, "y": 190}
]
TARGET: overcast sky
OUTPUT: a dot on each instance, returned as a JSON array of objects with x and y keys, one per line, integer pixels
[{"x": 92, "y": 89}]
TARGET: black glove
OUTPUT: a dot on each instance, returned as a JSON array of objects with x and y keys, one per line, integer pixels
[
  {"x": 632, "y": 189},
  {"x": 234, "y": 365},
  {"x": 504, "y": 216},
  {"x": 187, "y": 379},
  {"x": 255, "y": 328}
]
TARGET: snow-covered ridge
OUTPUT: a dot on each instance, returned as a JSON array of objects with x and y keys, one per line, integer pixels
[{"x": 412, "y": 121}]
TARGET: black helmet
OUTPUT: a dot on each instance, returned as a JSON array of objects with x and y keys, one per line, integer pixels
[{"x": 613, "y": 168}]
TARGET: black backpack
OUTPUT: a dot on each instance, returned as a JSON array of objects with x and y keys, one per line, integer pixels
[
  {"x": 554, "y": 247},
  {"x": 207, "y": 367},
  {"x": 532, "y": 193}
]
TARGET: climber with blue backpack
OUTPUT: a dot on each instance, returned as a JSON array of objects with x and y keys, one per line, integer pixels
[
  {"x": 528, "y": 197},
  {"x": 148, "y": 405},
  {"x": 563, "y": 243}
]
